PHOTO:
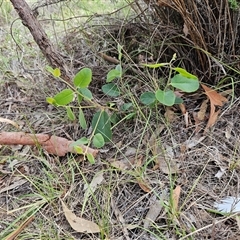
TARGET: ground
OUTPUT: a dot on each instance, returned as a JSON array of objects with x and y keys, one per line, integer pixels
[{"x": 159, "y": 178}]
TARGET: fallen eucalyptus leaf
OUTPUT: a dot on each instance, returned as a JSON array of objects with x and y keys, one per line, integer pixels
[{"x": 79, "y": 224}]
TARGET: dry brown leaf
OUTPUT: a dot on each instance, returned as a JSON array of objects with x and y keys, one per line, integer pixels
[
  {"x": 226, "y": 92},
  {"x": 79, "y": 224},
  {"x": 144, "y": 186},
  {"x": 90, "y": 188},
  {"x": 175, "y": 198},
  {"x": 154, "y": 210},
  {"x": 121, "y": 164},
  {"x": 166, "y": 165},
  {"x": 182, "y": 108},
  {"x": 194, "y": 141},
  {"x": 212, "y": 120},
  {"x": 202, "y": 112},
  {"x": 216, "y": 99},
  {"x": 170, "y": 114}
]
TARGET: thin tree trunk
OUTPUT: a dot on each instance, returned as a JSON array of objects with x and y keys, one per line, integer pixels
[{"x": 40, "y": 37}]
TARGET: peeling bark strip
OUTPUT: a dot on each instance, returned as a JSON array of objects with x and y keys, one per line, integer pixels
[
  {"x": 52, "y": 144},
  {"x": 40, "y": 37}
]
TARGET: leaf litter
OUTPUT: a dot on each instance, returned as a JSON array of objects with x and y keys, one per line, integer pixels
[
  {"x": 79, "y": 224},
  {"x": 216, "y": 99}
]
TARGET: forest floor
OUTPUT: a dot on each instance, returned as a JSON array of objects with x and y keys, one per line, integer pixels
[{"x": 161, "y": 177}]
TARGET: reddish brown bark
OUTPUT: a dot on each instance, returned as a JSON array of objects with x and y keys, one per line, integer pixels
[
  {"x": 40, "y": 37},
  {"x": 52, "y": 144}
]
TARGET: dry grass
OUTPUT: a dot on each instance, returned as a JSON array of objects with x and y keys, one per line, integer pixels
[{"x": 119, "y": 204}]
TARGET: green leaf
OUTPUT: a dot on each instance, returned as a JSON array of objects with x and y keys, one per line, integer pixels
[
  {"x": 111, "y": 90},
  {"x": 185, "y": 73},
  {"x": 70, "y": 114},
  {"x": 64, "y": 97},
  {"x": 98, "y": 140},
  {"x": 156, "y": 65},
  {"x": 78, "y": 149},
  {"x": 86, "y": 93},
  {"x": 119, "y": 47},
  {"x": 90, "y": 158},
  {"x": 112, "y": 74},
  {"x": 126, "y": 106},
  {"x": 82, "y": 120},
  {"x": 148, "y": 98},
  {"x": 81, "y": 141},
  {"x": 50, "y": 69},
  {"x": 184, "y": 83},
  {"x": 119, "y": 68},
  {"x": 83, "y": 78},
  {"x": 165, "y": 97},
  {"x": 101, "y": 124},
  {"x": 56, "y": 72},
  {"x": 79, "y": 98},
  {"x": 114, "y": 118},
  {"x": 178, "y": 100},
  {"x": 51, "y": 100}
]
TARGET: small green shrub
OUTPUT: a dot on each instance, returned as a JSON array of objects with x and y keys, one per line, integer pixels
[
  {"x": 102, "y": 121},
  {"x": 183, "y": 81}
]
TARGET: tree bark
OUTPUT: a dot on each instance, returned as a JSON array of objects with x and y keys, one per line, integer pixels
[{"x": 30, "y": 21}]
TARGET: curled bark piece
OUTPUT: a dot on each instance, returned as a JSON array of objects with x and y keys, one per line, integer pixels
[{"x": 52, "y": 144}]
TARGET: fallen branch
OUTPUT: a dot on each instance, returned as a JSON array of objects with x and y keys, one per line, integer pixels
[{"x": 52, "y": 144}]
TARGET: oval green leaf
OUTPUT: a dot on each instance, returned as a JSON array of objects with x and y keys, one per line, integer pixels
[
  {"x": 90, "y": 158},
  {"x": 148, "y": 98},
  {"x": 82, "y": 120},
  {"x": 111, "y": 90},
  {"x": 64, "y": 97},
  {"x": 101, "y": 124},
  {"x": 86, "y": 93},
  {"x": 126, "y": 106},
  {"x": 70, "y": 114},
  {"x": 165, "y": 97},
  {"x": 119, "y": 68},
  {"x": 185, "y": 73},
  {"x": 98, "y": 140},
  {"x": 114, "y": 118},
  {"x": 83, "y": 78},
  {"x": 78, "y": 149},
  {"x": 112, "y": 74},
  {"x": 56, "y": 72},
  {"x": 178, "y": 100},
  {"x": 51, "y": 100},
  {"x": 184, "y": 83},
  {"x": 81, "y": 141},
  {"x": 50, "y": 69}
]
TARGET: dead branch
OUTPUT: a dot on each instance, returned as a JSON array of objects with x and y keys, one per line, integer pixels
[
  {"x": 52, "y": 144},
  {"x": 30, "y": 21}
]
